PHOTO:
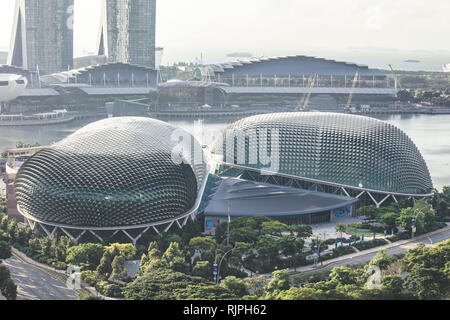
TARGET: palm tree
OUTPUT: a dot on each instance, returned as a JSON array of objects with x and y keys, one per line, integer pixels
[{"x": 341, "y": 227}]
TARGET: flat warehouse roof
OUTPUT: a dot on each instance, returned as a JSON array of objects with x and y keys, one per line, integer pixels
[
  {"x": 39, "y": 93},
  {"x": 302, "y": 90},
  {"x": 117, "y": 91},
  {"x": 248, "y": 198}
]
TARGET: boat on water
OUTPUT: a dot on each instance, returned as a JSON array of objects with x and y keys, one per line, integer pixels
[{"x": 446, "y": 68}]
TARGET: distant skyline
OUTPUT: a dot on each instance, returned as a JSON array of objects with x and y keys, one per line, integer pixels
[{"x": 273, "y": 27}]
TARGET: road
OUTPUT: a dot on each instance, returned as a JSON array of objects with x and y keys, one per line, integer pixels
[
  {"x": 36, "y": 284},
  {"x": 433, "y": 239}
]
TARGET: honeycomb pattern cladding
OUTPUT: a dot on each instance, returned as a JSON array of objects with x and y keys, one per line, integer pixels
[
  {"x": 112, "y": 173},
  {"x": 344, "y": 149}
]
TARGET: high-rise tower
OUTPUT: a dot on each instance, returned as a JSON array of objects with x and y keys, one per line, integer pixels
[
  {"x": 42, "y": 35},
  {"x": 127, "y": 31}
]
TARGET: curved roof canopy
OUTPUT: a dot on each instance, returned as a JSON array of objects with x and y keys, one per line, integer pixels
[
  {"x": 342, "y": 149},
  {"x": 118, "y": 172},
  {"x": 248, "y": 198}
]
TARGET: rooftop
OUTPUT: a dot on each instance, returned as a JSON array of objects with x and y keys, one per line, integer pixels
[{"x": 247, "y": 198}]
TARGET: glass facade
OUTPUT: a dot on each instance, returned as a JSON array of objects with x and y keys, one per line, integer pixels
[
  {"x": 344, "y": 149},
  {"x": 127, "y": 34},
  {"x": 43, "y": 35},
  {"x": 117, "y": 172}
]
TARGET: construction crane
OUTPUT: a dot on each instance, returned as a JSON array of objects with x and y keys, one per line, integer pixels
[
  {"x": 350, "y": 97},
  {"x": 397, "y": 82},
  {"x": 307, "y": 96}
]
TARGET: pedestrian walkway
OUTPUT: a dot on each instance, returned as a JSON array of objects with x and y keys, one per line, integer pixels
[{"x": 309, "y": 268}]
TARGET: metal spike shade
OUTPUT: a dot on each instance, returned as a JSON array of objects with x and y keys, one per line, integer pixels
[
  {"x": 343, "y": 149},
  {"x": 116, "y": 172}
]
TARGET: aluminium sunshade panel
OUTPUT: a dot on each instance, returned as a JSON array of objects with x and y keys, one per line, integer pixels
[
  {"x": 116, "y": 172},
  {"x": 343, "y": 149}
]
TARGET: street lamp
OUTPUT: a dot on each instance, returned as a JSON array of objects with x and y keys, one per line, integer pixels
[
  {"x": 413, "y": 222},
  {"x": 220, "y": 263}
]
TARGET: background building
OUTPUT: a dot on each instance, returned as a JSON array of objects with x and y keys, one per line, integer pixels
[
  {"x": 319, "y": 84},
  {"x": 11, "y": 86},
  {"x": 177, "y": 93},
  {"x": 42, "y": 36},
  {"x": 105, "y": 75},
  {"x": 127, "y": 31}
]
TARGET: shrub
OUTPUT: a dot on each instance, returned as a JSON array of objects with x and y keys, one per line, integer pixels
[
  {"x": 113, "y": 291},
  {"x": 91, "y": 277},
  {"x": 5, "y": 250},
  {"x": 364, "y": 245},
  {"x": 108, "y": 289},
  {"x": 89, "y": 297},
  {"x": 400, "y": 236},
  {"x": 60, "y": 265},
  {"x": 392, "y": 284},
  {"x": 235, "y": 286},
  {"x": 88, "y": 253},
  {"x": 9, "y": 289}
]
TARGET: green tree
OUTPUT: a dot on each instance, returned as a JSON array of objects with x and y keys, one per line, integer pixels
[
  {"x": 441, "y": 202},
  {"x": 427, "y": 283},
  {"x": 126, "y": 250},
  {"x": 274, "y": 227},
  {"x": 105, "y": 268},
  {"x": 341, "y": 227},
  {"x": 9, "y": 289},
  {"x": 203, "y": 292},
  {"x": 243, "y": 234},
  {"x": 203, "y": 243},
  {"x": 118, "y": 269},
  {"x": 343, "y": 276},
  {"x": 267, "y": 249},
  {"x": 89, "y": 297},
  {"x": 7, "y": 286},
  {"x": 370, "y": 212},
  {"x": 5, "y": 250},
  {"x": 161, "y": 284},
  {"x": 255, "y": 286},
  {"x": 393, "y": 284},
  {"x": 291, "y": 247},
  {"x": 280, "y": 281},
  {"x": 235, "y": 286},
  {"x": 88, "y": 253},
  {"x": 405, "y": 220},
  {"x": 302, "y": 294},
  {"x": 302, "y": 231},
  {"x": 381, "y": 259},
  {"x": 174, "y": 258},
  {"x": 388, "y": 219},
  {"x": 428, "y": 273},
  {"x": 203, "y": 269},
  {"x": 152, "y": 259},
  {"x": 405, "y": 96}
]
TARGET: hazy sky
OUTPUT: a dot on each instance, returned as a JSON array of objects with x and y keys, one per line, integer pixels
[{"x": 274, "y": 27}]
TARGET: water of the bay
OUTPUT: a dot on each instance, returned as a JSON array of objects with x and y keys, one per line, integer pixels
[{"x": 431, "y": 133}]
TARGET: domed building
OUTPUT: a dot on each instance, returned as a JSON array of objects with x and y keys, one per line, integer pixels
[
  {"x": 11, "y": 86},
  {"x": 125, "y": 175},
  {"x": 343, "y": 154}
]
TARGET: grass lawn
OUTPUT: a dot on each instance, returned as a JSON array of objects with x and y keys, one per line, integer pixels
[{"x": 368, "y": 235}]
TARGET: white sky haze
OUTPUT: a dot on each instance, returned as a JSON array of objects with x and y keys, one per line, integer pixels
[{"x": 274, "y": 27}]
